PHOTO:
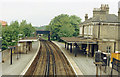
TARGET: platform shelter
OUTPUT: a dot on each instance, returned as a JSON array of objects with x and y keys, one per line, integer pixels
[
  {"x": 84, "y": 44},
  {"x": 25, "y": 44}
]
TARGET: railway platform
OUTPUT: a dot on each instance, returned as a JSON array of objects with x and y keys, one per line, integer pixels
[
  {"x": 82, "y": 63},
  {"x": 19, "y": 65}
]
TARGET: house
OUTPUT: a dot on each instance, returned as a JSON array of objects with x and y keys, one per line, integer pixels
[{"x": 3, "y": 23}]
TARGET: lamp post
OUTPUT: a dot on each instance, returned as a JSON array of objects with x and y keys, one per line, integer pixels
[{"x": 18, "y": 45}]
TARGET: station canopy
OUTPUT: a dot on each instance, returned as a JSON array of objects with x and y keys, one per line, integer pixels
[
  {"x": 28, "y": 39},
  {"x": 79, "y": 40}
]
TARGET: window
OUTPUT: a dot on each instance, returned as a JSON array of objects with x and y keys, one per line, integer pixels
[
  {"x": 85, "y": 30},
  {"x": 108, "y": 49},
  {"x": 81, "y": 30}
]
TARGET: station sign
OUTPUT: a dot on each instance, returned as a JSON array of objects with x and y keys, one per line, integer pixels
[{"x": 116, "y": 65}]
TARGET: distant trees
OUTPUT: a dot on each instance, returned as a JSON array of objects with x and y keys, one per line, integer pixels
[
  {"x": 11, "y": 32},
  {"x": 64, "y": 26},
  {"x": 0, "y": 29}
]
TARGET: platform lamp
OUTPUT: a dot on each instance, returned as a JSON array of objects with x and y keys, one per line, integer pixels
[
  {"x": 18, "y": 45},
  {"x": 87, "y": 49}
]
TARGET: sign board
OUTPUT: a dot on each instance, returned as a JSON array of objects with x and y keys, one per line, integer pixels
[{"x": 116, "y": 65}]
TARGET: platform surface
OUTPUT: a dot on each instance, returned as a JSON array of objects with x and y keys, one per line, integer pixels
[
  {"x": 19, "y": 65},
  {"x": 85, "y": 64}
]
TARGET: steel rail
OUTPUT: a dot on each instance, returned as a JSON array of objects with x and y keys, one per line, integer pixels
[
  {"x": 53, "y": 60},
  {"x": 54, "y": 46},
  {"x": 47, "y": 61}
]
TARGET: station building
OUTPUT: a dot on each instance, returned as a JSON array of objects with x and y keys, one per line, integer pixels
[
  {"x": 100, "y": 32},
  {"x": 104, "y": 28}
]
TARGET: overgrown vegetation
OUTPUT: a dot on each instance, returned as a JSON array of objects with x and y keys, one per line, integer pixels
[
  {"x": 64, "y": 26},
  {"x": 11, "y": 32}
]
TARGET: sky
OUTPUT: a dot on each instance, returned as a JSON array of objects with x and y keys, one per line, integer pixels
[{"x": 40, "y": 12}]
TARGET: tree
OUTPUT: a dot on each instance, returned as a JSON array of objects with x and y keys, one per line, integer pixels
[
  {"x": 6, "y": 37},
  {"x": 26, "y": 29},
  {"x": 64, "y": 26},
  {"x": 75, "y": 21},
  {"x": 66, "y": 31},
  {"x": 11, "y": 32},
  {"x": 14, "y": 26},
  {"x": 0, "y": 29}
]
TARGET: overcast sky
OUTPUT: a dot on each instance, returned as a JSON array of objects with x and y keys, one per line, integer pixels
[{"x": 40, "y": 12}]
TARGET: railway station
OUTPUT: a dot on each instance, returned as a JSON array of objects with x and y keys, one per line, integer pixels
[{"x": 95, "y": 52}]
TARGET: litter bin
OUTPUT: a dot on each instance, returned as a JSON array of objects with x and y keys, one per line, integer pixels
[{"x": 98, "y": 57}]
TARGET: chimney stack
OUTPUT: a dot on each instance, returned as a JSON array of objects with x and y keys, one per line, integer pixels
[
  {"x": 86, "y": 17},
  {"x": 107, "y": 8}
]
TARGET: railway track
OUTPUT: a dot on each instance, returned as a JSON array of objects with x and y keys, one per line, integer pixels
[{"x": 50, "y": 61}]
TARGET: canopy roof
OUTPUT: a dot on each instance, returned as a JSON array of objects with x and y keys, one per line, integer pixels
[
  {"x": 78, "y": 40},
  {"x": 28, "y": 39}
]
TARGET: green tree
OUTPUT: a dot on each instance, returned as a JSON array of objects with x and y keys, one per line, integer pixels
[
  {"x": 6, "y": 37},
  {"x": 14, "y": 26},
  {"x": 0, "y": 29},
  {"x": 66, "y": 31},
  {"x": 64, "y": 26},
  {"x": 11, "y": 32},
  {"x": 75, "y": 21},
  {"x": 26, "y": 29}
]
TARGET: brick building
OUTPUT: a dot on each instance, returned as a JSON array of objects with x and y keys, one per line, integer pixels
[
  {"x": 3, "y": 23},
  {"x": 104, "y": 28}
]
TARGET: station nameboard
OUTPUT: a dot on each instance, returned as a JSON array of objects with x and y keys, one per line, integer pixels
[{"x": 116, "y": 65}]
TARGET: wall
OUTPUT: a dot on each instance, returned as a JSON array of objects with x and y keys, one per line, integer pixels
[
  {"x": 108, "y": 32},
  {"x": 103, "y": 46},
  {"x": 95, "y": 31},
  {"x": 117, "y": 45},
  {"x": 118, "y": 32}
]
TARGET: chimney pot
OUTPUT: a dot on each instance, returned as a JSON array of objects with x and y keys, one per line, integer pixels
[{"x": 86, "y": 17}]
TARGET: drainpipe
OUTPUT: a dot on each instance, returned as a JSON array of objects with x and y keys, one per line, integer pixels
[
  {"x": 114, "y": 47},
  {"x": 99, "y": 30},
  {"x": 83, "y": 31}
]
